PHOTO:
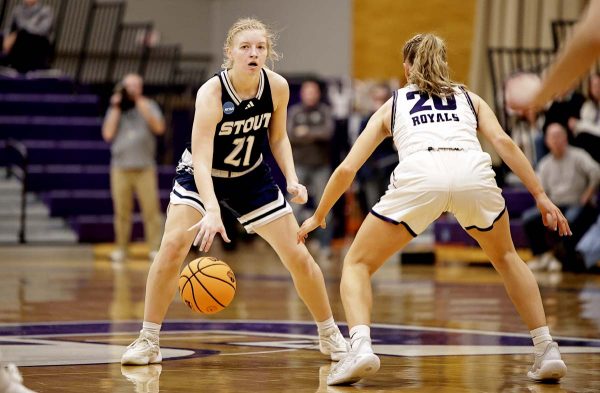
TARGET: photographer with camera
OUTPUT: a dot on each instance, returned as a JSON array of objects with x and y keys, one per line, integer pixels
[{"x": 131, "y": 125}]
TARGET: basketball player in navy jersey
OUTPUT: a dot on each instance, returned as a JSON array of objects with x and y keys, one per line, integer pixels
[
  {"x": 434, "y": 124},
  {"x": 238, "y": 111}
]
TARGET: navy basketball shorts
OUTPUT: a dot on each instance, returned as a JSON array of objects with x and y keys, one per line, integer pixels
[{"x": 254, "y": 198}]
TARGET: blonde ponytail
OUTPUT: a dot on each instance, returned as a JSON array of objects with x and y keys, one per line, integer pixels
[{"x": 426, "y": 55}]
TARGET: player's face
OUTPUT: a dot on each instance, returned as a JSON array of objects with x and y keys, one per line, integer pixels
[{"x": 249, "y": 51}]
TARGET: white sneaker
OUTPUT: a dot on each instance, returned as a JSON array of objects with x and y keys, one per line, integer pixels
[
  {"x": 145, "y": 378},
  {"x": 117, "y": 255},
  {"x": 332, "y": 343},
  {"x": 144, "y": 350},
  {"x": 11, "y": 380},
  {"x": 549, "y": 366},
  {"x": 353, "y": 367},
  {"x": 554, "y": 264},
  {"x": 540, "y": 262}
]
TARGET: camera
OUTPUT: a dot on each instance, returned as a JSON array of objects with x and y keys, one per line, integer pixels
[{"x": 126, "y": 102}]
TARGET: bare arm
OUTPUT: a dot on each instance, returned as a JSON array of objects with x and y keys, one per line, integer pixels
[
  {"x": 156, "y": 123},
  {"x": 279, "y": 141},
  {"x": 111, "y": 123},
  {"x": 377, "y": 129},
  {"x": 518, "y": 163},
  {"x": 578, "y": 55},
  {"x": 207, "y": 116}
]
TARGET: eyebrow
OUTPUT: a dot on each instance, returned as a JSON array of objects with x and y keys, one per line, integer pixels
[{"x": 248, "y": 42}]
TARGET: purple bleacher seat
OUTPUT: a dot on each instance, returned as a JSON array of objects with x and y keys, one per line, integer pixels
[
  {"x": 50, "y": 128},
  {"x": 90, "y": 177},
  {"x": 448, "y": 231},
  {"x": 67, "y": 152},
  {"x": 66, "y": 203},
  {"x": 99, "y": 228},
  {"x": 20, "y": 104},
  {"x": 517, "y": 200},
  {"x": 24, "y": 84}
]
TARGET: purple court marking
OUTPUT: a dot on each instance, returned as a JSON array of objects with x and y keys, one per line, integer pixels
[{"x": 400, "y": 335}]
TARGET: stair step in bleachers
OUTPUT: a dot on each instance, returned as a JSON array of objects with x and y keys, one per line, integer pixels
[
  {"x": 50, "y": 128},
  {"x": 67, "y": 203},
  {"x": 99, "y": 228},
  {"x": 20, "y": 104},
  {"x": 83, "y": 177},
  {"x": 24, "y": 84},
  {"x": 64, "y": 152}
]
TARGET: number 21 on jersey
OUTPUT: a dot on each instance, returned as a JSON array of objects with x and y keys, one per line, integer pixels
[{"x": 242, "y": 148}]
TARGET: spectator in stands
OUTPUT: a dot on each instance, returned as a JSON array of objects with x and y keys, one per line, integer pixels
[
  {"x": 527, "y": 134},
  {"x": 570, "y": 177},
  {"x": 26, "y": 43},
  {"x": 587, "y": 128},
  {"x": 131, "y": 125},
  {"x": 310, "y": 128},
  {"x": 374, "y": 175}
]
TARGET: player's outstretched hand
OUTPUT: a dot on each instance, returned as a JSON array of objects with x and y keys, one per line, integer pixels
[
  {"x": 521, "y": 90},
  {"x": 207, "y": 228},
  {"x": 309, "y": 225},
  {"x": 552, "y": 216},
  {"x": 299, "y": 193}
]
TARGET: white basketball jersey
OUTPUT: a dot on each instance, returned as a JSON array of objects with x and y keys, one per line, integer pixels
[{"x": 420, "y": 121}]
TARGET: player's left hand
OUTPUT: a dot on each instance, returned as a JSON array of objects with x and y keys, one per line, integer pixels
[
  {"x": 309, "y": 225},
  {"x": 299, "y": 193}
]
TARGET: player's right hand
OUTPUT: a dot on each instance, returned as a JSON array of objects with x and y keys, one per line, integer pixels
[
  {"x": 520, "y": 91},
  {"x": 208, "y": 227},
  {"x": 552, "y": 216}
]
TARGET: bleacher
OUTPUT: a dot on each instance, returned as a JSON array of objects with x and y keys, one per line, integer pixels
[{"x": 57, "y": 114}]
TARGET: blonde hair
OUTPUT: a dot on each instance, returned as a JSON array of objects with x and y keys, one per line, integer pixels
[
  {"x": 426, "y": 54},
  {"x": 245, "y": 24}
]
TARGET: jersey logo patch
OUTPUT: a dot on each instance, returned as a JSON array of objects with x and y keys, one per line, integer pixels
[
  {"x": 228, "y": 108},
  {"x": 250, "y": 105}
]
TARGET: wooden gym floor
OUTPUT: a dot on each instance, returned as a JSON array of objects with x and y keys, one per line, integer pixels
[{"x": 67, "y": 314}]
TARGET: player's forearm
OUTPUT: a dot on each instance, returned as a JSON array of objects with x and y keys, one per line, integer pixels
[
  {"x": 282, "y": 152},
  {"x": 575, "y": 59},
  {"x": 339, "y": 182},
  {"x": 517, "y": 162},
  {"x": 204, "y": 184},
  {"x": 111, "y": 124}
]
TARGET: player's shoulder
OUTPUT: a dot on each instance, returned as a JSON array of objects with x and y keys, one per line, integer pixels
[
  {"x": 210, "y": 90},
  {"x": 275, "y": 80}
]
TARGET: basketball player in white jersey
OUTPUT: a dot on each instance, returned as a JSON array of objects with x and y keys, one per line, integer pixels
[
  {"x": 238, "y": 112},
  {"x": 434, "y": 124}
]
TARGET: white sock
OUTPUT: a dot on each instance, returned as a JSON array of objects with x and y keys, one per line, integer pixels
[
  {"x": 541, "y": 338},
  {"x": 357, "y": 333},
  {"x": 325, "y": 325},
  {"x": 151, "y": 328}
]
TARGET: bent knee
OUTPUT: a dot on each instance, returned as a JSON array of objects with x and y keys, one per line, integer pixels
[
  {"x": 360, "y": 262},
  {"x": 173, "y": 248}
]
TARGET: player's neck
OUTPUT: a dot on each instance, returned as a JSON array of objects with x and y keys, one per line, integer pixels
[{"x": 245, "y": 85}]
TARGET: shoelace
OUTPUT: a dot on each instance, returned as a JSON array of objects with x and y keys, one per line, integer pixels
[{"x": 140, "y": 340}]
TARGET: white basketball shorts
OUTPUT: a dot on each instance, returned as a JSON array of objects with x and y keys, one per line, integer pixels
[{"x": 428, "y": 183}]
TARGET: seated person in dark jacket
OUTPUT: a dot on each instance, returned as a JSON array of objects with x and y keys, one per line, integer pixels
[{"x": 26, "y": 44}]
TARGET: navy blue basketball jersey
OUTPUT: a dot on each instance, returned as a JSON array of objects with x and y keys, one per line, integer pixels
[{"x": 243, "y": 132}]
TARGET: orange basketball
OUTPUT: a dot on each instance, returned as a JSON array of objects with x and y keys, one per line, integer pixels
[{"x": 207, "y": 285}]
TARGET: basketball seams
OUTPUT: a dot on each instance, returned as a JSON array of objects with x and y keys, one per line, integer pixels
[
  {"x": 189, "y": 281},
  {"x": 206, "y": 290},
  {"x": 194, "y": 274},
  {"x": 218, "y": 279}
]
